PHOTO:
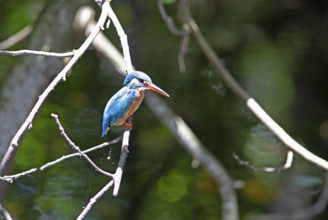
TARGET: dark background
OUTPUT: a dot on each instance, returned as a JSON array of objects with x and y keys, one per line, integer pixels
[{"x": 277, "y": 50}]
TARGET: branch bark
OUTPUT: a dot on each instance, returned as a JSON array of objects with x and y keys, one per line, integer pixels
[
  {"x": 61, "y": 76},
  {"x": 250, "y": 102},
  {"x": 181, "y": 131}
]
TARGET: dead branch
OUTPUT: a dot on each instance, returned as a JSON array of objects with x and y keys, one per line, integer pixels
[
  {"x": 250, "y": 102},
  {"x": 94, "y": 199},
  {"x": 61, "y": 76},
  {"x": 14, "y": 39},
  {"x": 34, "y": 52},
  {"x": 184, "y": 33},
  {"x": 11, "y": 178},
  {"x": 180, "y": 130},
  {"x": 76, "y": 148},
  {"x": 285, "y": 166}
]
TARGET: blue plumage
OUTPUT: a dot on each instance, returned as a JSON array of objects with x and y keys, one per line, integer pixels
[
  {"x": 127, "y": 100},
  {"x": 117, "y": 107}
]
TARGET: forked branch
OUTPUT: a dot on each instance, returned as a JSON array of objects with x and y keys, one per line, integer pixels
[{"x": 250, "y": 102}]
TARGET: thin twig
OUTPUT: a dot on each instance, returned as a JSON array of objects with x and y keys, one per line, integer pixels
[
  {"x": 181, "y": 131},
  {"x": 245, "y": 97},
  {"x": 124, "y": 40},
  {"x": 75, "y": 147},
  {"x": 94, "y": 199},
  {"x": 184, "y": 33},
  {"x": 34, "y": 52},
  {"x": 14, "y": 39},
  {"x": 125, "y": 142},
  {"x": 183, "y": 48},
  {"x": 61, "y": 76},
  {"x": 169, "y": 21},
  {"x": 285, "y": 166},
  {"x": 11, "y": 178}
]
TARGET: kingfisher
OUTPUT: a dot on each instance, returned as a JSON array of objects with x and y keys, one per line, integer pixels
[{"x": 127, "y": 100}]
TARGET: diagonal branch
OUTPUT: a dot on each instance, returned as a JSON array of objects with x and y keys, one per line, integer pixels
[
  {"x": 61, "y": 76},
  {"x": 11, "y": 178},
  {"x": 180, "y": 130},
  {"x": 124, "y": 40},
  {"x": 94, "y": 199},
  {"x": 117, "y": 177},
  {"x": 244, "y": 96},
  {"x": 14, "y": 39},
  {"x": 76, "y": 148}
]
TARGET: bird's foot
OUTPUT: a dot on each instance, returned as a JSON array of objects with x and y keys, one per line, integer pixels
[{"x": 127, "y": 125}]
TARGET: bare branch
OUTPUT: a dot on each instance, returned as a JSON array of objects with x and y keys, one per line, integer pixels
[
  {"x": 169, "y": 21},
  {"x": 14, "y": 39},
  {"x": 125, "y": 143},
  {"x": 94, "y": 199},
  {"x": 184, "y": 33},
  {"x": 119, "y": 170},
  {"x": 245, "y": 97},
  {"x": 11, "y": 178},
  {"x": 73, "y": 145},
  {"x": 187, "y": 139},
  {"x": 285, "y": 166},
  {"x": 124, "y": 40},
  {"x": 182, "y": 52},
  {"x": 35, "y": 52},
  {"x": 61, "y": 76},
  {"x": 192, "y": 144}
]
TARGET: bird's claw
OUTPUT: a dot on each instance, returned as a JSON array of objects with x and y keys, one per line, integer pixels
[{"x": 127, "y": 125}]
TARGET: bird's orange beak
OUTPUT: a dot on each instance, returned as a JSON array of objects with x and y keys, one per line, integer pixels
[{"x": 155, "y": 88}]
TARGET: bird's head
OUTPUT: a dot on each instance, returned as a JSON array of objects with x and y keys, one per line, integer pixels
[{"x": 141, "y": 81}]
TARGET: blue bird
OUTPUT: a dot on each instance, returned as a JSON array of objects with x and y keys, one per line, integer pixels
[{"x": 127, "y": 100}]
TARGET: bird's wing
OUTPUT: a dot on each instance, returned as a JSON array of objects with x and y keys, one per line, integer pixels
[{"x": 117, "y": 107}]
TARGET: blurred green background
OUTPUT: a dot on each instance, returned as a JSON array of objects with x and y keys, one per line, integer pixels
[{"x": 276, "y": 49}]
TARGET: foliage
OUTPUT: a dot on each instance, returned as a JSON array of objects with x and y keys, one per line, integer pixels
[{"x": 277, "y": 50}]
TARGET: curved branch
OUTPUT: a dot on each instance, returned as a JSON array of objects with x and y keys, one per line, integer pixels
[
  {"x": 61, "y": 76},
  {"x": 14, "y": 39},
  {"x": 245, "y": 97},
  {"x": 285, "y": 166},
  {"x": 11, "y": 178},
  {"x": 73, "y": 145},
  {"x": 192, "y": 144},
  {"x": 124, "y": 40},
  {"x": 181, "y": 132}
]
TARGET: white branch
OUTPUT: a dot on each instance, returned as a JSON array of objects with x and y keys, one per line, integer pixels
[
  {"x": 94, "y": 199},
  {"x": 35, "y": 52},
  {"x": 61, "y": 76},
  {"x": 284, "y": 136},
  {"x": 11, "y": 178},
  {"x": 75, "y": 147},
  {"x": 124, "y": 40},
  {"x": 190, "y": 142}
]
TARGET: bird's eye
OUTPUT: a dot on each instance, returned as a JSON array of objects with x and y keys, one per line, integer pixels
[{"x": 145, "y": 82}]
